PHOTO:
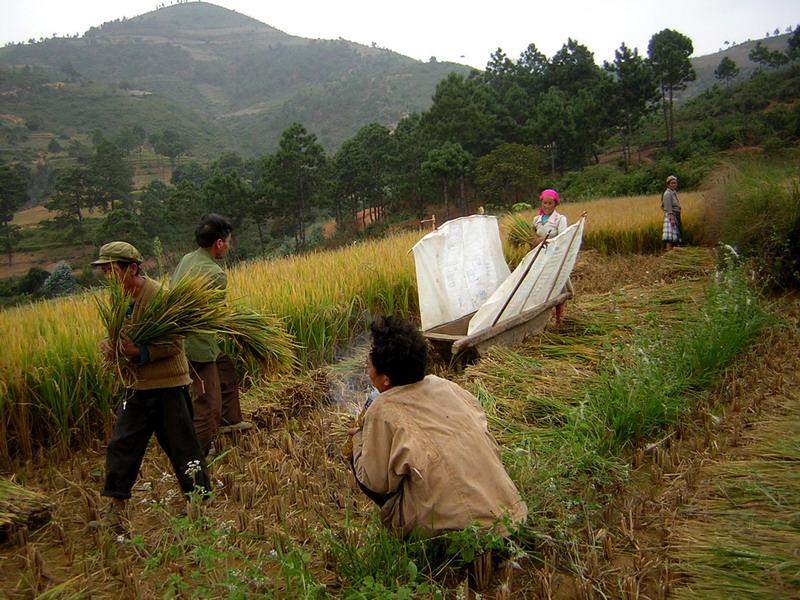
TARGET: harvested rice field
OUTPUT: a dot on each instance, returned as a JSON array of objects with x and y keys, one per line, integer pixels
[{"x": 695, "y": 497}]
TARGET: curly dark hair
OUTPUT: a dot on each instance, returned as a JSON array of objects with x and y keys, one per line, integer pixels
[
  {"x": 212, "y": 227},
  {"x": 398, "y": 350}
]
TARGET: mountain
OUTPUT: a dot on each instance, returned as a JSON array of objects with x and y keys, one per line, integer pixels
[
  {"x": 245, "y": 80},
  {"x": 704, "y": 66}
]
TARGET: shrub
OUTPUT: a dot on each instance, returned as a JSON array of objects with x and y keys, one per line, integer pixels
[
  {"x": 61, "y": 282},
  {"x": 32, "y": 281},
  {"x": 772, "y": 243}
]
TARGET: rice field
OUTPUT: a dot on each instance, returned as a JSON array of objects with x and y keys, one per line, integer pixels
[
  {"x": 582, "y": 413},
  {"x": 55, "y": 390},
  {"x": 288, "y": 522},
  {"x": 53, "y": 383},
  {"x": 630, "y": 224}
]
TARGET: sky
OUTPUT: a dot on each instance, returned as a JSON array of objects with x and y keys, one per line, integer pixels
[{"x": 461, "y": 31}]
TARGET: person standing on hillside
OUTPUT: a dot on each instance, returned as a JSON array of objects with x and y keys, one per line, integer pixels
[
  {"x": 158, "y": 403},
  {"x": 672, "y": 231},
  {"x": 215, "y": 390},
  {"x": 422, "y": 450}
]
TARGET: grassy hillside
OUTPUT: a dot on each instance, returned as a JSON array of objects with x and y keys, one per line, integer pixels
[
  {"x": 36, "y": 107},
  {"x": 704, "y": 66},
  {"x": 234, "y": 73}
]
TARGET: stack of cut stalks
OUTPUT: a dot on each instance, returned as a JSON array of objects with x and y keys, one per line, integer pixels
[{"x": 20, "y": 508}]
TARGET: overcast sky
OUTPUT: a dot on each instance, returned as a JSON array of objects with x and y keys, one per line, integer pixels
[{"x": 461, "y": 31}]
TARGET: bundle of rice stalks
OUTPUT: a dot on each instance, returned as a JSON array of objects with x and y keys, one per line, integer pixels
[
  {"x": 258, "y": 344},
  {"x": 519, "y": 231},
  {"x": 190, "y": 306},
  {"x": 687, "y": 262},
  {"x": 20, "y": 507},
  {"x": 274, "y": 403}
]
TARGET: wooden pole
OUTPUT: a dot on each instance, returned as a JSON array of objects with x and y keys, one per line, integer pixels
[{"x": 521, "y": 279}]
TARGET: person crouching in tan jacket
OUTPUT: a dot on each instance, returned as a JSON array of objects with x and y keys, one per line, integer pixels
[{"x": 424, "y": 453}]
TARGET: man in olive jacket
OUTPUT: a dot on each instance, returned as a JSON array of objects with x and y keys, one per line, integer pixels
[{"x": 215, "y": 391}]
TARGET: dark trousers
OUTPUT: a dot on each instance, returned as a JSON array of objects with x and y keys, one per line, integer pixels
[
  {"x": 167, "y": 412},
  {"x": 215, "y": 396},
  {"x": 229, "y": 388},
  {"x": 206, "y": 401}
]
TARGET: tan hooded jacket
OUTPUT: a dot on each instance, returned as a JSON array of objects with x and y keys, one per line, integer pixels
[{"x": 428, "y": 444}]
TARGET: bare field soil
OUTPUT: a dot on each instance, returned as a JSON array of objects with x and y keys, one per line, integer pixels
[
  {"x": 284, "y": 484},
  {"x": 47, "y": 259}
]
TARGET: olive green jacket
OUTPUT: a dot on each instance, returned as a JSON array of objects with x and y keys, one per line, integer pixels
[{"x": 201, "y": 347}]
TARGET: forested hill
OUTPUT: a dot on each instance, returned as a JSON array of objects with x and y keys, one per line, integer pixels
[
  {"x": 240, "y": 75},
  {"x": 704, "y": 66}
]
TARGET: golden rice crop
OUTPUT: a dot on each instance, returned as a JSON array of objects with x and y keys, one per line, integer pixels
[
  {"x": 324, "y": 297},
  {"x": 624, "y": 224},
  {"x": 54, "y": 383}
]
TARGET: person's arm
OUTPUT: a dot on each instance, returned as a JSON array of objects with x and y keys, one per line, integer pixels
[
  {"x": 160, "y": 351},
  {"x": 537, "y": 239},
  {"x": 562, "y": 224},
  {"x": 383, "y": 455},
  {"x": 144, "y": 354},
  {"x": 666, "y": 202}
]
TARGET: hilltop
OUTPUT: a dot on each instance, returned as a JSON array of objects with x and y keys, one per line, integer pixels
[
  {"x": 245, "y": 80},
  {"x": 705, "y": 65},
  {"x": 225, "y": 81}
]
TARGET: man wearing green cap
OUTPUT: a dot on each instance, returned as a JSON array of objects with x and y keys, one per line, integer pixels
[
  {"x": 215, "y": 392},
  {"x": 158, "y": 401}
]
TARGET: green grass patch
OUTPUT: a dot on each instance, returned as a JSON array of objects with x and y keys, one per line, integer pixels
[{"x": 567, "y": 437}]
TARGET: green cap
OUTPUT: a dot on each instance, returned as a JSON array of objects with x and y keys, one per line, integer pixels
[{"x": 118, "y": 252}]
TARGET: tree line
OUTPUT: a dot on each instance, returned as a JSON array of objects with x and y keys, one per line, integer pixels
[{"x": 503, "y": 131}]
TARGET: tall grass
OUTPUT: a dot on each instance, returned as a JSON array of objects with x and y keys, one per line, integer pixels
[
  {"x": 55, "y": 389},
  {"x": 326, "y": 298},
  {"x": 656, "y": 380},
  {"x": 622, "y": 225},
  {"x": 763, "y": 218}
]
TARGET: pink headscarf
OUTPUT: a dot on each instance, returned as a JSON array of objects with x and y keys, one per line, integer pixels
[{"x": 549, "y": 193}]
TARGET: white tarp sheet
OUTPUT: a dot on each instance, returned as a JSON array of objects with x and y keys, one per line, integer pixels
[
  {"x": 545, "y": 279},
  {"x": 458, "y": 267}
]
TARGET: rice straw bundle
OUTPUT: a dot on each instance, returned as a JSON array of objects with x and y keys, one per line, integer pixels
[
  {"x": 258, "y": 343},
  {"x": 519, "y": 231},
  {"x": 190, "y": 306}
]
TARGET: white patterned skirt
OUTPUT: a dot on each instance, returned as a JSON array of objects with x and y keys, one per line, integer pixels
[{"x": 671, "y": 231}]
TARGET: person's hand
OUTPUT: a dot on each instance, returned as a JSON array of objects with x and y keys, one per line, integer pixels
[
  {"x": 129, "y": 349},
  {"x": 106, "y": 351},
  {"x": 584, "y": 213},
  {"x": 347, "y": 447}
]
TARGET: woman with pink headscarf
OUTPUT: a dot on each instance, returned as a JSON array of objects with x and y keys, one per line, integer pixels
[{"x": 550, "y": 223}]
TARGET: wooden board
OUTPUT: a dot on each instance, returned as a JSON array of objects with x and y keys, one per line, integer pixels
[{"x": 452, "y": 342}]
